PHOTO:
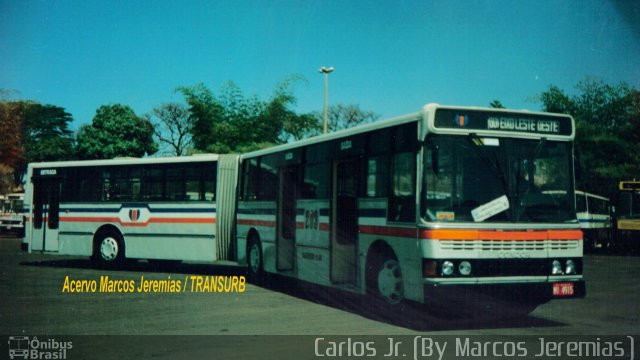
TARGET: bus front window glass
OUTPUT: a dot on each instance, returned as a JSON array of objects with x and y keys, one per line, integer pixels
[{"x": 464, "y": 174}]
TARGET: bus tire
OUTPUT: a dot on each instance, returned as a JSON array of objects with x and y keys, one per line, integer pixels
[
  {"x": 385, "y": 282},
  {"x": 109, "y": 248},
  {"x": 255, "y": 261}
]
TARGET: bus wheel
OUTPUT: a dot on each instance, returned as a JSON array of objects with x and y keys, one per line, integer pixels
[
  {"x": 109, "y": 249},
  {"x": 386, "y": 282},
  {"x": 255, "y": 261}
]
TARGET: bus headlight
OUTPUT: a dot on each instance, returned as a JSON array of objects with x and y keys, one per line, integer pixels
[
  {"x": 447, "y": 268},
  {"x": 464, "y": 268},
  {"x": 570, "y": 267},
  {"x": 556, "y": 268}
]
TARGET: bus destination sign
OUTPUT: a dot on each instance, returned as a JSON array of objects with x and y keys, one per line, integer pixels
[
  {"x": 503, "y": 121},
  {"x": 523, "y": 124}
]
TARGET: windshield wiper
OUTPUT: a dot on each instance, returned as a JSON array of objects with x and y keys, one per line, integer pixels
[
  {"x": 492, "y": 164},
  {"x": 530, "y": 159}
]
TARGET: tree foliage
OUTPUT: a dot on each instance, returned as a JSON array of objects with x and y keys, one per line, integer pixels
[
  {"x": 607, "y": 131},
  {"x": 7, "y": 183},
  {"x": 33, "y": 132},
  {"x": 496, "y": 104},
  {"x": 11, "y": 119},
  {"x": 172, "y": 127},
  {"x": 341, "y": 116},
  {"x": 46, "y": 134},
  {"x": 116, "y": 131},
  {"x": 232, "y": 122}
]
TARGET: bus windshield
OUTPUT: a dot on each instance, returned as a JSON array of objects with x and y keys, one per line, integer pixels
[
  {"x": 493, "y": 179},
  {"x": 629, "y": 205}
]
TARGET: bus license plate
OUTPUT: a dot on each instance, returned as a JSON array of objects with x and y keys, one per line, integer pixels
[{"x": 563, "y": 289}]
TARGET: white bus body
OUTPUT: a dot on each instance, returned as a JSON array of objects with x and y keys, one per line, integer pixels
[
  {"x": 594, "y": 215},
  {"x": 12, "y": 213},
  {"x": 434, "y": 203},
  {"x": 446, "y": 201},
  {"x": 152, "y": 208}
]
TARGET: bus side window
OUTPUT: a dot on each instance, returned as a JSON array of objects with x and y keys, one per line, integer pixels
[
  {"x": 250, "y": 172},
  {"x": 581, "y": 203},
  {"x": 377, "y": 173},
  {"x": 209, "y": 179},
  {"x": 152, "y": 183},
  {"x": 315, "y": 181},
  {"x": 402, "y": 202}
]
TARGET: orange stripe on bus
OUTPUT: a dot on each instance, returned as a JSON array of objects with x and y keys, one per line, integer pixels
[
  {"x": 257, "y": 223},
  {"x": 388, "y": 231},
  {"x": 184, "y": 220},
  {"x": 539, "y": 235}
]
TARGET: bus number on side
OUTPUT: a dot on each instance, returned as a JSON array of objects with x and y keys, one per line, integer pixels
[{"x": 346, "y": 145}]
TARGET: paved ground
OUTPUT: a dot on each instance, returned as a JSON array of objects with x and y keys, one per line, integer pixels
[{"x": 32, "y": 302}]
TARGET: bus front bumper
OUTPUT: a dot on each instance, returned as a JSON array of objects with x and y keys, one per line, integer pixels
[{"x": 506, "y": 293}]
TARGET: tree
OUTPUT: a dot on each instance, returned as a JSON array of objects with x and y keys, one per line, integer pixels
[
  {"x": 298, "y": 127},
  {"x": 7, "y": 183},
  {"x": 33, "y": 132},
  {"x": 496, "y": 104},
  {"x": 340, "y": 116},
  {"x": 294, "y": 126},
  {"x": 232, "y": 122},
  {"x": 173, "y": 127},
  {"x": 607, "y": 131},
  {"x": 46, "y": 135},
  {"x": 11, "y": 119},
  {"x": 116, "y": 131}
]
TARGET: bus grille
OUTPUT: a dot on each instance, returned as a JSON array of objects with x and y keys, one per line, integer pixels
[{"x": 509, "y": 245}]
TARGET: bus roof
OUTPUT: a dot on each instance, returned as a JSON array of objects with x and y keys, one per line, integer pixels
[
  {"x": 529, "y": 120},
  {"x": 127, "y": 161},
  {"x": 580, "y": 192},
  {"x": 338, "y": 134}
]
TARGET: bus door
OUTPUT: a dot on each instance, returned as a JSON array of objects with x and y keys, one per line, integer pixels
[
  {"x": 46, "y": 216},
  {"x": 344, "y": 221},
  {"x": 287, "y": 211}
]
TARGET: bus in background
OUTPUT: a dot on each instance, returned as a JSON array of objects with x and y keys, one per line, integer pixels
[
  {"x": 12, "y": 213},
  {"x": 594, "y": 215},
  {"x": 628, "y": 214},
  {"x": 151, "y": 208},
  {"x": 443, "y": 206}
]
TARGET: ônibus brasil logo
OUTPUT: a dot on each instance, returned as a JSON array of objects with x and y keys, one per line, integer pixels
[{"x": 25, "y": 347}]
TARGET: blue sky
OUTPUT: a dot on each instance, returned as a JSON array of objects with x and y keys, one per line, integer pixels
[{"x": 391, "y": 57}]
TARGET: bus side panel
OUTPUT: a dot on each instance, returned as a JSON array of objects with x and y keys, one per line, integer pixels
[
  {"x": 258, "y": 216},
  {"x": 312, "y": 241},
  {"x": 373, "y": 228},
  {"x": 171, "y": 231},
  {"x": 75, "y": 244},
  {"x": 28, "y": 211},
  {"x": 151, "y": 231}
]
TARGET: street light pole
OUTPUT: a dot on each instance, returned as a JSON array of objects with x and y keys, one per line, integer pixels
[{"x": 326, "y": 72}]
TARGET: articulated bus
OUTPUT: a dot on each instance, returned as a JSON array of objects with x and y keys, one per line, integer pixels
[
  {"x": 447, "y": 204},
  {"x": 152, "y": 208},
  {"x": 449, "y": 200},
  {"x": 12, "y": 213},
  {"x": 628, "y": 214}
]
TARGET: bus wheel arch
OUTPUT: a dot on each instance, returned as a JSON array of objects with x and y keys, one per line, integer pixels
[
  {"x": 384, "y": 279},
  {"x": 255, "y": 257},
  {"x": 108, "y": 246}
]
